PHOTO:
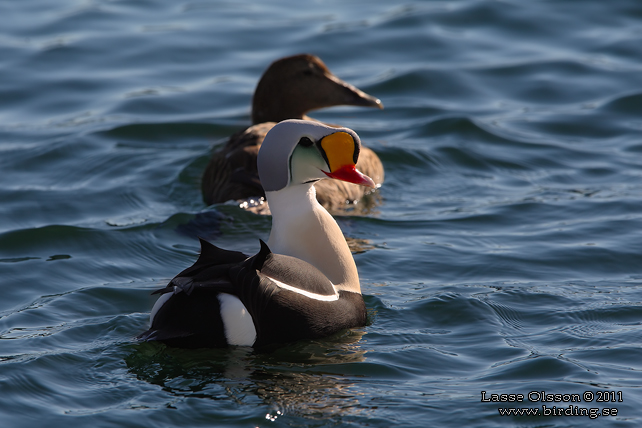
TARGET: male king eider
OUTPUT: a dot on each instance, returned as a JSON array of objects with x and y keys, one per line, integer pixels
[
  {"x": 289, "y": 88},
  {"x": 302, "y": 284}
]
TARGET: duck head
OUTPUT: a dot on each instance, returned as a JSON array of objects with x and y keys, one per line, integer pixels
[
  {"x": 295, "y": 85},
  {"x": 300, "y": 152}
]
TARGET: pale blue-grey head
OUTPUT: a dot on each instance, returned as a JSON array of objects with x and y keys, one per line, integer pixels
[{"x": 298, "y": 151}]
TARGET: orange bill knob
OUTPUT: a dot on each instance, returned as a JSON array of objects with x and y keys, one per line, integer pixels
[{"x": 341, "y": 153}]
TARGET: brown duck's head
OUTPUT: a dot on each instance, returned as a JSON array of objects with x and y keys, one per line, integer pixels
[{"x": 295, "y": 85}]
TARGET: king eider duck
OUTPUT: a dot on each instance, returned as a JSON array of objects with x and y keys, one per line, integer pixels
[
  {"x": 302, "y": 284},
  {"x": 289, "y": 88}
]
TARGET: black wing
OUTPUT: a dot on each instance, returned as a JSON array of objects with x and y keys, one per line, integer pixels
[{"x": 283, "y": 315}]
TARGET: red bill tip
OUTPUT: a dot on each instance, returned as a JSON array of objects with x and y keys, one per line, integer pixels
[{"x": 351, "y": 174}]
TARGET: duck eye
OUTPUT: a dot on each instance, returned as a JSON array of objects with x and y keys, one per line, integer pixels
[{"x": 305, "y": 142}]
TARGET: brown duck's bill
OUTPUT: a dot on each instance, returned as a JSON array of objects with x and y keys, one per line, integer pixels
[
  {"x": 365, "y": 100},
  {"x": 351, "y": 174},
  {"x": 356, "y": 97}
]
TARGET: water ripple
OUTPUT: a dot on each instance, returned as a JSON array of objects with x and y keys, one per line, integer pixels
[{"x": 504, "y": 255}]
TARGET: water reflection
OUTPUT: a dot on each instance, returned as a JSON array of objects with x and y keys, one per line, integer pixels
[{"x": 305, "y": 379}]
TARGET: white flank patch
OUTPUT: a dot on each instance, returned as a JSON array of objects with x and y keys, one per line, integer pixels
[
  {"x": 239, "y": 327},
  {"x": 159, "y": 303},
  {"x": 315, "y": 296}
]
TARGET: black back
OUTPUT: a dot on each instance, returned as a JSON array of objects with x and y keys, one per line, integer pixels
[{"x": 191, "y": 316}]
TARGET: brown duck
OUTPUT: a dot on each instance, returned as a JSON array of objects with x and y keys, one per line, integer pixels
[{"x": 289, "y": 88}]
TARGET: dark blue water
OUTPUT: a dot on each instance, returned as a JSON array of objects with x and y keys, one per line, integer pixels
[{"x": 505, "y": 256}]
